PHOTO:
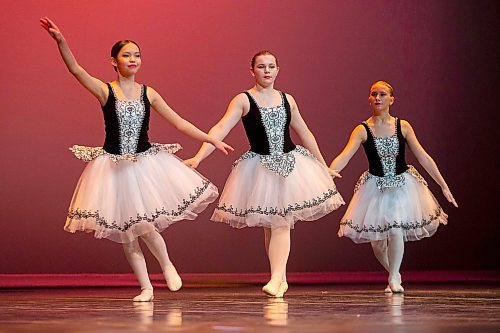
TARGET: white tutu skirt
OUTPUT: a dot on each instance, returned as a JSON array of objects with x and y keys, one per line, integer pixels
[
  {"x": 121, "y": 197},
  {"x": 256, "y": 196},
  {"x": 409, "y": 209}
]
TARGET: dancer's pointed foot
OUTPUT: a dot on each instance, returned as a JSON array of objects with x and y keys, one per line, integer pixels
[
  {"x": 282, "y": 289},
  {"x": 388, "y": 289},
  {"x": 271, "y": 288},
  {"x": 396, "y": 287},
  {"x": 146, "y": 295},
  {"x": 173, "y": 279}
]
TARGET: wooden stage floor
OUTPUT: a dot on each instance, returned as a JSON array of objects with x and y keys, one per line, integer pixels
[{"x": 243, "y": 308}]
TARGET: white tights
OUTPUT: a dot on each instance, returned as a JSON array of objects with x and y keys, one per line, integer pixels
[
  {"x": 277, "y": 242},
  {"x": 390, "y": 254},
  {"x": 156, "y": 244}
]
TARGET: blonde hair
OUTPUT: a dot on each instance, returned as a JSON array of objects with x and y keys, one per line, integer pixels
[{"x": 383, "y": 83}]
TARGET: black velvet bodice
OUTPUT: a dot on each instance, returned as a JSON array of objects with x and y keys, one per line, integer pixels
[
  {"x": 126, "y": 127},
  {"x": 268, "y": 129},
  {"x": 378, "y": 163}
]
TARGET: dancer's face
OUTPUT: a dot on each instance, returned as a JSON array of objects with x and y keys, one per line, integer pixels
[
  {"x": 265, "y": 70},
  {"x": 380, "y": 98},
  {"x": 128, "y": 60}
]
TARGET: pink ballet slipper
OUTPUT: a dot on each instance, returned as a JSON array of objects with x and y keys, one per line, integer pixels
[{"x": 146, "y": 295}]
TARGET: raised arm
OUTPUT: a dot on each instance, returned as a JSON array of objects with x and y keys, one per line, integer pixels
[
  {"x": 426, "y": 160},
  {"x": 92, "y": 84},
  {"x": 238, "y": 106},
  {"x": 305, "y": 135},
  {"x": 182, "y": 124},
  {"x": 357, "y": 137}
]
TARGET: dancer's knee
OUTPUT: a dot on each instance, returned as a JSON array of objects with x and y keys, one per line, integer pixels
[
  {"x": 131, "y": 247},
  {"x": 379, "y": 246},
  {"x": 150, "y": 236}
]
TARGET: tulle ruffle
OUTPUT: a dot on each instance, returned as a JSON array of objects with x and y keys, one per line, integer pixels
[
  {"x": 409, "y": 209},
  {"x": 121, "y": 201},
  {"x": 254, "y": 195}
]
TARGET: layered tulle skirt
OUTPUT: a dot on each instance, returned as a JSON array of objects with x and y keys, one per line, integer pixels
[
  {"x": 379, "y": 210},
  {"x": 270, "y": 191},
  {"x": 121, "y": 197}
]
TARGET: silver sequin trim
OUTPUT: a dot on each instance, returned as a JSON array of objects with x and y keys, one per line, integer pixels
[
  {"x": 150, "y": 217},
  {"x": 279, "y": 163},
  {"x": 274, "y": 120},
  {"x": 388, "y": 150},
  {"x": 382, "y": 184},
  {"x": 405, "y": 226},
  {"x": 87, "y": 154},
  {"x": 130, "y": 117},
  {"x": 275, "y": 211}
]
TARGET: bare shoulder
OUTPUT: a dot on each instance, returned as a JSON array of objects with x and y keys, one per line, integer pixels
[
  {"x": 151, "y": 93},
  {"x": 406, "y": 127},
  {"x": 359, "y": 128},
  {"x": 404, "y": 123},
  {"x": 359, "y": 132},
  {"x": 240, "y": 101},
  {"x": 290, "y": 99},
  {"x": 240, "y": 98},
  {"x": 150, "y": 89},
  {"x": 240, "y": 104}
]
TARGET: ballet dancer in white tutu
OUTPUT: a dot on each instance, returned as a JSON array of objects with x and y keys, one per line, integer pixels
[
  {"x": 132, "y": 188},
  {"x": 276, "y": 183},
  {"x": 391, "y": 202}
]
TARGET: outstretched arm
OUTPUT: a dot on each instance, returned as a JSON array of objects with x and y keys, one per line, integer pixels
[
  {"x": 182, "y": 124},
  {"x": 92, "y": 84},
  {"x": 237, "y": 107},
  {"x": 305, "y": 135},
  {"x": 358, "y": 136},
  {"x": 426, "y": 160}
]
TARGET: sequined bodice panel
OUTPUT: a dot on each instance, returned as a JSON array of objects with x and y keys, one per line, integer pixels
[
  {"x": 274, "y": 121},
  {"x": 130, "y": 119},
  {"x": 268, "y": 132},
  {"x": 388, "y": 149}
]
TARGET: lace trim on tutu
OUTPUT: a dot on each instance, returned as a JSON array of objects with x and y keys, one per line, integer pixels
[
  {"x": 389, "y": 181},
  {"x": 278, "y": 162},
  {"x": 87, "y": 154},
  {"x": 438, "y": 213},
  {"x": 77, "y": 214},
  {"x": 278, "y": 211}
]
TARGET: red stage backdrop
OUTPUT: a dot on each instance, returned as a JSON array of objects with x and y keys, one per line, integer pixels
[{"x": 441, "y": 57}]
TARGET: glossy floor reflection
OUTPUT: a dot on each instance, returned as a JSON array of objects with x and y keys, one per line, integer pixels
[{"x": 306, "y": 309}]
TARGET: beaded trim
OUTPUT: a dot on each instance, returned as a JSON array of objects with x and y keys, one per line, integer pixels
[
  {"x": 279, "y": 162},
  {"x": 412, "y": 171},
  {"x": 394, "y": 225},
  {"x": 245, "y": 156},
  {"x": 130, "y": 114},
  {"x": 278, "y": 211},
  {"x": 273, "y": 119},
  {"x": 77, "y": 214},
  {"x": 390, "y": 181},
  {"x": 87, "y": 154}
]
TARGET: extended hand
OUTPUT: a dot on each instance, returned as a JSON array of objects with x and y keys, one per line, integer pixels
[
  {"x": 52, "y": 28},
  {"x": 334, "y": 173},
  {"x": 223, "y": 147},
  {"x": 449, "y": 197},
  {"x": 192, "y": 162}
]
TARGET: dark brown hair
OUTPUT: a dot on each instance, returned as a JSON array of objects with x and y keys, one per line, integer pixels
[{"x": 119, "y": 45}]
